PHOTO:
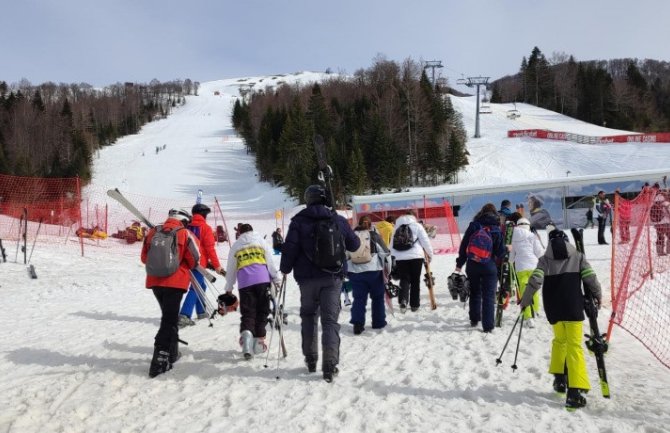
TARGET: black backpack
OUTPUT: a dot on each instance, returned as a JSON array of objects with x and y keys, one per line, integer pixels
[
  {"x": 403, "y": 238},
  {"x": 328, "y": 245}
]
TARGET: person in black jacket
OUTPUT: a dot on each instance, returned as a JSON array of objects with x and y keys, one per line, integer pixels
[
  {"x": 319, "y": 288},
  {"x": 277, "y": 241},
  {"x": 482, "y": 273}
]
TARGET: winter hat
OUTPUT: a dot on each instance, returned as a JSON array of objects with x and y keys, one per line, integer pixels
[{"x": 523, "y": 223}]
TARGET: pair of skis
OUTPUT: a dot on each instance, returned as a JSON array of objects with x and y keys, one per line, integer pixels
[
  {"x": 507, "y": 277},
  {"x": 595, "y": 341}
]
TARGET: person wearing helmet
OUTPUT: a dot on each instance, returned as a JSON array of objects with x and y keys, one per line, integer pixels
[
  {"x": 250, "y": 265},
  {"x": 526, "y": 250},
  {"x": 208, "y": 257},
  {"x": 560, "y": 272},
  {"x": 169, "y": 290},
  {"x": 319, "y": 288}
]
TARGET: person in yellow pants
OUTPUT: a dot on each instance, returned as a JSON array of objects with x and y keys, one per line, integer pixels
[
  {"x": 560, "y": 272},
  {"x": 526, "y": 250}
]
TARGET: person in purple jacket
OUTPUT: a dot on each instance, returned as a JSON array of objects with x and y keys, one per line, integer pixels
[
  {"x": 250, "y": 265},
  {"x": 319, "y": 288}
]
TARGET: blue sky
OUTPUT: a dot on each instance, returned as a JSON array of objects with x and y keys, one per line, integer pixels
[{"x": 103, "y": 42}]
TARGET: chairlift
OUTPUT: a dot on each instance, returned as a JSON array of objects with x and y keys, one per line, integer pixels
[
  {"x": 513, "y": 114},
  {"x": 485, "y": 109}
]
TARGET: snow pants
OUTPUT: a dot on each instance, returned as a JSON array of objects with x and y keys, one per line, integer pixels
[
  {"x": 167, "y": 337},
  {"x": 567, "y": 352},
  {"x": 255, "y": 309},
  {"x": 410, "y": 281},
  {"x": 320, "y": 297},
  {"x": 602, "y": 222},
  {"x": 366, "y": 284},
  {"x": 192, "y": 299},
  {"x": 523, "y": 277},
  {"x": 483, "y": 283}
]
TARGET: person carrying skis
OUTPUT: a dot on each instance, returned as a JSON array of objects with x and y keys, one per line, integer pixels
[
  {"x": 366, "y": 274},
  {"x": 208, "y": 257},
  {"x": 319, "y": 288},
  {"x": 526, "y": 250},
  {"x": 169, "y": 290},
  {"x": 277, "y": 241},
  {"x": 250, "y": 265},
  {"x": 410, "y": 246},
  {"x": 560, "y": 272},
  {"x": 481, "y": 246}
]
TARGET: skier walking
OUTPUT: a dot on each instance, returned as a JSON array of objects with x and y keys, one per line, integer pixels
[
  {"x": 169, "y": 289},
  {"x": 482, "y": 244},
  {"x": 366, "y": 273},
  {"x": 319, "y": 288},
  {"x": 208, "y": 256},
  {"x": 410, "y": 247},
  {"x": 526, "y": 250},
  {"x": 250, "y": 265},
  {"x": 603, "y": 210},
  {"x": 560, "y": 272}
]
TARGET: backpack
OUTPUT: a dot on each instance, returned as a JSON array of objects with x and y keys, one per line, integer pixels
[
  {"x": 657, "y": 212},
  {"x": 364, "y": 253},
  {"x": 480, "y": 245},
  {"x": 329, "y": 252},
  {"x": 403, "y": 238},
  {"x": 163, "y": 254}
]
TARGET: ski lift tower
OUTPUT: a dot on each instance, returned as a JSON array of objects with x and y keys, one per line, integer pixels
[
  {"x": 432, "y": 64},
  {"x": 476, "y": 82}
]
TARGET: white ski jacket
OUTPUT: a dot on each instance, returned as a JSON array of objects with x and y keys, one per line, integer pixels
[
  {"x": 421, "y": 244},
  {"x": 526, "y": 248}
]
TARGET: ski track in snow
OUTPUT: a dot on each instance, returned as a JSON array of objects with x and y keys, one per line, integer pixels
[{"x": 78, "y": 340}]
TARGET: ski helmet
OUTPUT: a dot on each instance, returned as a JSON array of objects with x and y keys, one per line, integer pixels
[
  {"x": 201, "y": 209},
  {"x": 180, "y": 214},
  {"x": 315, "y": 194},
  {"x": 227, "y": 303}
]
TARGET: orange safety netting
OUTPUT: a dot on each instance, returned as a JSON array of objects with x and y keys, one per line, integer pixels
[{"x": 641, "y": 270}]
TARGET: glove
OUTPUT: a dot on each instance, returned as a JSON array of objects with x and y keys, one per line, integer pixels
[
  {"x": 221, "y": 271},
  {"x": 277, "y": 280}
]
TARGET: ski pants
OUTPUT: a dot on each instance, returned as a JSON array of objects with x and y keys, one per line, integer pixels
[
  {"x": 567, "y": 354},
  {"x": 483, "y": 283},
  {"x": 192, "y": 299},
  {"x": 523, "y": 277},
  {"x": 168, "y": 298},
  {"x": 255, "y": 309},
  {"x": 602, "y": 221},
  {"x": 366, "y": 284},
  {"x": 410, "y": 281},
  {"x": 320, "y": 297}
]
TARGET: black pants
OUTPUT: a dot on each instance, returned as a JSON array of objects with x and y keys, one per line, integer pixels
[
  {"x": 254, "y": 309},
  {"x": 410, "y": 281},
  {"x": 601, "y": 230},
  {"x": 169, "y": 299}
]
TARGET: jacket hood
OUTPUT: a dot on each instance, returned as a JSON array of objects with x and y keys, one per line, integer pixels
[
  {"x": 405, "y": 219},
  {"x": 172, "y": 223},
  {"x": 570, "y": 250},
  {"x": 248, "y": 238},
  {"x": 317, "y": 211}
]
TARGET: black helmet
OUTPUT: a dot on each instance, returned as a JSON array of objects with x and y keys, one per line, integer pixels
[
  {"x": 315, "y": 194},
  {"x": 227, "y": 303},
  {"x": 201, "y": 209}
]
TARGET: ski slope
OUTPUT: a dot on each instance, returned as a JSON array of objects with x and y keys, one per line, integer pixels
[{"x": 78, "y": 340}]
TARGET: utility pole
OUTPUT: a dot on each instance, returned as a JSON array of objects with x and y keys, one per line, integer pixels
[
  {"x": 475, "y": 82},
  {"x": 432, "y": 64}
]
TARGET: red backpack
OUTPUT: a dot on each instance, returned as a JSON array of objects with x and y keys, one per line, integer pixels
[{"x": 480, "y": 245}]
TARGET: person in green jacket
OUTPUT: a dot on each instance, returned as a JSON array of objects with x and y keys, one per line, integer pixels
[{"x": 560, "y": 272}]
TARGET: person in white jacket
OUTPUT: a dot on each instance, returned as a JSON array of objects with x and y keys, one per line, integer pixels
[
  {"x": 250, "y": 265},
  {"x": 409, "y": 259},
  {"x": 526, "y": 250}
]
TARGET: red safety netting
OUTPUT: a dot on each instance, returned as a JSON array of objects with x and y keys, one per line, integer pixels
[
  {"x": 641, "y": 270},
  {"x": 438, "y": 220}
]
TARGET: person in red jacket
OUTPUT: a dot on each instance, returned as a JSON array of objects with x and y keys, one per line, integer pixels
[
  {"x": 169, "y": 290},
  {"x": 208, "y": 257}
]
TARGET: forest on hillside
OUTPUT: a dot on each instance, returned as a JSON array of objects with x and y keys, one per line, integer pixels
[
  {"x": 627, "y": 94},
  {"x": 385, "y": 127},
  {"x": 53, "y": 130}
]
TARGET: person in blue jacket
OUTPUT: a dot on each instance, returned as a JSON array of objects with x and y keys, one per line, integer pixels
[
  {"x": 319, "y": 288},
  {"x": 482, "y": 273}
]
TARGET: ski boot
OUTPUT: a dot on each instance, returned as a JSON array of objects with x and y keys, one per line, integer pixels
[
  {"x": 247, "y": 342},
  {"x": 310, "y": 362},
  {"x": 575, "y": 399},
  {"x": 259, "y": 345},
  {"x": 160, "y": 363},
  {"x": 560, "y": 384},
  {"x": 184, "y": 321},
  {"x": 358, "y": 328},
  {"x": 330, "y": 372}
]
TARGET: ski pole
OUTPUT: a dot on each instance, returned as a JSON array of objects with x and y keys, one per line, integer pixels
[
  {"x": 518, "y": 341},
  {"x": 499, "y": 359},
  {"x": 274, "y": 323}
]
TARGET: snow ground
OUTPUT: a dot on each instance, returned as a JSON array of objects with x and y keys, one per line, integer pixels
[{"x": 78, "y": 340}]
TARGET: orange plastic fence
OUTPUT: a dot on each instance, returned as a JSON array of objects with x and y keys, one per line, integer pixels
[{"x": 641, "y": 270}]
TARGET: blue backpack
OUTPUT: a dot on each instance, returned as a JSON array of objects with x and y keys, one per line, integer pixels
[{"x": 480, "y": 246}]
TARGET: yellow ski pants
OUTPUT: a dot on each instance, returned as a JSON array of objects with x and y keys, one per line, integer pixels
[{"x": 566, "y": 349}]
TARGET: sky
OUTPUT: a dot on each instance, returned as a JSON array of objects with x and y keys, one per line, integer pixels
[
  {"x": 77, "y": 341},
  {"x": 104, "y": 42}
]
